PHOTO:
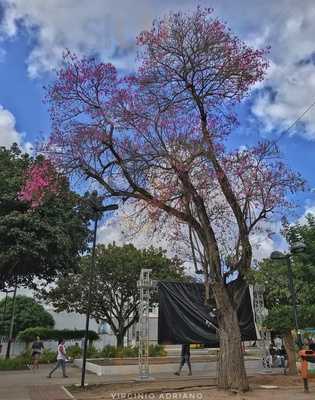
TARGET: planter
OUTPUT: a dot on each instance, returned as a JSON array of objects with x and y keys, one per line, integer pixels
[{"x": 129, "y": 366}]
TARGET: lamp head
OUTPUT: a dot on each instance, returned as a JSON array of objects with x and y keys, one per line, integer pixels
[{"x": 298, "y": 247}]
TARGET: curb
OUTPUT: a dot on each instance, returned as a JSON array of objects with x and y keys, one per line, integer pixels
[{"x": 68, "y": 393}]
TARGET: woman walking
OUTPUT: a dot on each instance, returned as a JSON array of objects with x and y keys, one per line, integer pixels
[{"x": 61, "y": 359}]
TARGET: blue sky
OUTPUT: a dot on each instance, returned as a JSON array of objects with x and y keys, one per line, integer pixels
[{"x": 34, "y": 33}]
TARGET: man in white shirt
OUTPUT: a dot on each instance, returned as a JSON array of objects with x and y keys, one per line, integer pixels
[{"x": 61, "y": 359}]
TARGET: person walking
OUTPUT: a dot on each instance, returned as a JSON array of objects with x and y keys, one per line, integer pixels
[
  {"x": 185, "y": 358},
  {"x": 37, "y": 348},
  {"x": 61, "y": 359}
]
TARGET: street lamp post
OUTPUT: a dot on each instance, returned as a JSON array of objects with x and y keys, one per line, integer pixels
[
  {"x": 298, "y": 247},
  {"x": 7, "y": 355},
  {"x": 95, "y": 204}
]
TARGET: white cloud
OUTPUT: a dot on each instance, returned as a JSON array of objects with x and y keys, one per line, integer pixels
[
  {"x": 106, "y": 27},
  {"x": 263, "y": 245},
  {"x": 8, "y": 132},
  {"x": 309, "y": 209},
  {"x": 120, "y": 229},
  {"x": 109, "y": 27},
  {"x": 124, "y": 227}
]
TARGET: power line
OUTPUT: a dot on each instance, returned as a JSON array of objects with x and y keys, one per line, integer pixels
[{"x": 296, "y": 121}]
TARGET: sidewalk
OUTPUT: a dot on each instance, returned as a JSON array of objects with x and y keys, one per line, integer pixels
[{"x": 29, "y": 385}]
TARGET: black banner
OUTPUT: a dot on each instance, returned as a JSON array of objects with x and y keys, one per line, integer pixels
[{"x": 184, "y": 318}]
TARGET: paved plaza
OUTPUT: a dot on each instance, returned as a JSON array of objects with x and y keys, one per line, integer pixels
[{"x": 29, "y": 385}]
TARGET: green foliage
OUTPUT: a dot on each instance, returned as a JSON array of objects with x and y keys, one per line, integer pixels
[
  {"x": 28, "y": 314},
  {"x": 125, "y": 352},
  {"x": 280, "y": 318},
  {"x": 273, "y": 274},
  {"x": 110, "y": 352},
  {"x": 42, "y": 242},
  {"x": 47, "y": 356},
  {"x": 21, "y": 362},
  {"x": 14, "y": 363},
  {"x": 30, "y": 334},
  {"x": 115, "y": 293},
  {"x": 157, "y": 351},
  {"x": 74, "y": 351}
]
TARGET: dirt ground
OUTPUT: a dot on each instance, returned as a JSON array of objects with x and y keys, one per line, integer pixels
[{"x": 284, "y": 388}]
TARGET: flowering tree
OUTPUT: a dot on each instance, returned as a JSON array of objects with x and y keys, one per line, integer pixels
[
  {"x": 156, "y": 138},
  {"x": 40, "y": 179},
  {"x": 42, "y": 233}
]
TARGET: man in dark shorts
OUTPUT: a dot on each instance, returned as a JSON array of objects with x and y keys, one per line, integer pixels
[
  {"x": 37, "y": 348},
  {"x": 185, "y": 358}
]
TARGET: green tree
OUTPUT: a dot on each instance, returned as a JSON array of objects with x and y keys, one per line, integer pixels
[
  {"x": 39, "y": 242},
  {"x": 115, "y": 293},
  {"x": 28, "y": 314},
  {"x": 274, "y": 276}
]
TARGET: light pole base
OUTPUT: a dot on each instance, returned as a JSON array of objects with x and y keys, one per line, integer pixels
[{"x": 79, "y": 384}]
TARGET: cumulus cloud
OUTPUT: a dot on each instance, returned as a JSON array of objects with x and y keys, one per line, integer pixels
[
  {"x": 263, "y": 244},
  {"x": 108, "y": 28},
  {"x": 8, "y": 132},
  {"x": 105, "y": 27},
  {"x": 289, "y": 88},
  {"x": 120, "y": 229},
  {"x": 309, "y": 209},
  {"x": 123, "y": 227}
]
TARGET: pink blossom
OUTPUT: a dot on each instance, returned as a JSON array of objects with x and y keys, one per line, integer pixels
[{"x": 40, "y": 179}]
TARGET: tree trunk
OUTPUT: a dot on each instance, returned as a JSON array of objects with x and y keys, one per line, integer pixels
[
  {"x": 120, "y": 339},
  {"x": 290, "y": 349},
  {"x": 231, "y": 365}
]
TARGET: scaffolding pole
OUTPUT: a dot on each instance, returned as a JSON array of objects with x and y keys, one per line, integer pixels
[
  {"x": 145, "y": 285},
  {"x": 261, "y": 313}
]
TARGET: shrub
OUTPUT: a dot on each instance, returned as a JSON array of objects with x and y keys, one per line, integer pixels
[
  {"x": 47, "y": 356},
  {"x": 157, "y": 350},
  {"x": 115, "y": 352},
  {"x": 92, "y": 352},
  {"x": 129, "y": 352},
  {"x": 74, "y": 351},
  {"x": 19, "y": 362},
  {"x": 109, "y": 352},
  {"x": 124, "y": 352}
]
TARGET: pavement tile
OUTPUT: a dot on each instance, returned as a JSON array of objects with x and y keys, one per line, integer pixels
[{"x": 47, "y": 392}]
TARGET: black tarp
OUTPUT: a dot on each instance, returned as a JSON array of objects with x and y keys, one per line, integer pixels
[{"x": 184, "y": 318}]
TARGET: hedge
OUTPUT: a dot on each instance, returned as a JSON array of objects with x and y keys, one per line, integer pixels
[{"x": 30, "y": 334}]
